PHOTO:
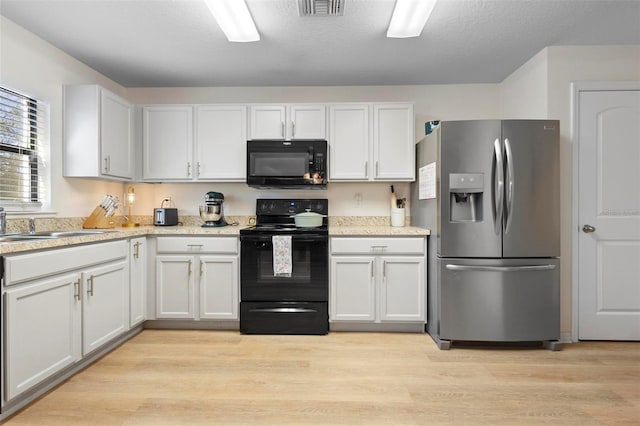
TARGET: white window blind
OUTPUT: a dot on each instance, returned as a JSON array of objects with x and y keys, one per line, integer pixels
[{"x": 24, "y": 151}]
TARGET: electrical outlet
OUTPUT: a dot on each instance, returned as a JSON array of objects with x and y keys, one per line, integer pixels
[{"x": 358, "y": 198}]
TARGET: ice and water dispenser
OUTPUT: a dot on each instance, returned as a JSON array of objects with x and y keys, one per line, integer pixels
[{"x": 465, "y": 197}]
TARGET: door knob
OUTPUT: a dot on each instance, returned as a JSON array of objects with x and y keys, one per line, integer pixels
[{"x": 588, "y": 229}]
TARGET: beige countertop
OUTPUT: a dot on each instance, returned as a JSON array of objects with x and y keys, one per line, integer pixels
[{"x": 119, "y": 233}]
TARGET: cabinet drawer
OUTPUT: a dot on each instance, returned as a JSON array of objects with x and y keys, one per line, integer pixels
[
  {"x": 378, "y": 245},
  {"x": 197, "y": 245},
  {"x": 25, "y": 267}
]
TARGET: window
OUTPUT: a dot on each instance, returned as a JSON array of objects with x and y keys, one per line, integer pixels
[{"x": 24, "y": 148}]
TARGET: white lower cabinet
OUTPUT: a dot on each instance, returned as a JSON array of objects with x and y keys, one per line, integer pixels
[
  {"x": 137, "y": 280},
  {"x": 105, "y": 304},
  {"x": 377, "y": 279},
  {"x": 197, "y": 278},
  {"x": 42, "y": 330},
  {"x": 60, "y": 305}
]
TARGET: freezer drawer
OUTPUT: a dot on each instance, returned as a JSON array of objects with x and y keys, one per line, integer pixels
[{"x": 500, "y": 300}]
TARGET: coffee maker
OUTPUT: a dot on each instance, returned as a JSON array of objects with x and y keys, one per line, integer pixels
[{"x": 211, "y": 212}]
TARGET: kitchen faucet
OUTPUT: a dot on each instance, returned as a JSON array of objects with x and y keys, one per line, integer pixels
[{"x": 3, "y": 221}]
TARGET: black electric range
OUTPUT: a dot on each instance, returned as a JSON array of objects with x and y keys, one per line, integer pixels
[{"x": 295, "y": 302}]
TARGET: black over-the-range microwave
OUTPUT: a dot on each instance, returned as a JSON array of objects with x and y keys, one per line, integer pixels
[{"x": 298, "y": 164}]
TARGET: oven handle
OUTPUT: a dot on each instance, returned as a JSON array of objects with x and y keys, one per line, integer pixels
[
  {"x": 283, "y": 310},
  {"x": 294, "y": 238}
]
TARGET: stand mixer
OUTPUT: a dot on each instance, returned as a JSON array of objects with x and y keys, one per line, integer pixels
[{"x": 211, "y": 212}]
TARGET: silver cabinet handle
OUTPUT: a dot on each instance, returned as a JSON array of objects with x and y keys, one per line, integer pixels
[
  {"x": 201, "y": 268},
  {"x": 371, "y": 268},
  {"x": 366, "y": 169},
  {"x": 106, "y": 165},
  {"x": 76, "y": 288},
  {"x": 498, "y": 187},
  {"x": 510, "y": 184},
  {"x": 190, "y": 267},
  {"x": 188, "y": 169},
  {"x": 293, "y": 130},
  {"x": 588, "y": 229},
  {"x": 136, "y": 253},
  {"x": 282, "y": 129},
  {"x": 376, "y": 169},
  {"x": 90, "y": 289},
  {"x": 198, "y": 170},
  {"x": 195, "y": 246},
  {"x": 523, "y": 268},
  {"x": 384, "y": 269}
]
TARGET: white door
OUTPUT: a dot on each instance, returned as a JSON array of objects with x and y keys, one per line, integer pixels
[
  {"x": 105, "y": 304},
  {"x": 267, "y": 122},
  {"x": 116, "y": 135},
  {"x": 221, "y": 142},
  {"x": 353, "y": 288},
  {"x": 219, "y": 287},
  {"x": 393, "y": 142},
  {"x": 402, "y": 288},
  {"x": 137, "y": 280},
  {"x": 175, "y": 287},
  {"x": 42, "y": 330},
  {"x": 307, "y": 122},
  {"x": 167, "y": 142},
  {"x": 609, "y": 215},
  {"x": 349, "y": 142}
]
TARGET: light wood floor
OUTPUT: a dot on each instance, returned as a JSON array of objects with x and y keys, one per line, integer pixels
[{"x": 164, "y": 377}]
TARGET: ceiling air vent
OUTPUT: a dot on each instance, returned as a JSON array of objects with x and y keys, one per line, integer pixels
[{"x": 320, "y": 7}]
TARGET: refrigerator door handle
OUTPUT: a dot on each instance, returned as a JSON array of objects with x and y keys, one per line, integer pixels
[
  {"x": 524, "y": 268},
  {"x": 498, "y": 187},
  {"x": 510, "y": 186}
]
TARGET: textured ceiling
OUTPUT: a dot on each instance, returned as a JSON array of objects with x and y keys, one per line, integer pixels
[{"x": 177, "y": 42}]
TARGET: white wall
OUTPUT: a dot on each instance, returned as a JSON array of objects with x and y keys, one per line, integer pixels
[
  {"x": 32, "y": 66},
  {"x": 524, "y": 93},
  {"x": 567, "y": 65}
]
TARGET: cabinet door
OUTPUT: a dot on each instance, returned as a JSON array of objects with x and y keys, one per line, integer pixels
[
  {"x": 221, "y": 140},
  {"x": 267, "y": 122},
  {"x": 116, "y": 136},
  {"x": 167, "y": 142},
  {"x": 175, "y": 296},
  {"x": 42, "y": 331},
  {"x": 138, "y": 280},
  {"x": 393, "y": 142},
  {"x": 218, "y": 287},
  {"x": 352, "y": 289},
  {"x": 349, "y": 142},
  {"x": 307, "y": 122},
  {"x": 105, "y": 306},
  {"x": 402, "y": 287}
]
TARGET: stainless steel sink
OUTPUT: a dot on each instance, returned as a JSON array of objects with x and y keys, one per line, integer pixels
[{"x": 48, "y": 235}]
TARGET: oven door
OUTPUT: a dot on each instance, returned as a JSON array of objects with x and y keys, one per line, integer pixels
[{"x": 309, "y": 280}]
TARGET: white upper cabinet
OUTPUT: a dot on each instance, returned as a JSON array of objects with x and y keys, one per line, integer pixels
[
  {"x": 167, "y": 142},
  {"x": 290, "y": 122},
  {"x": 349, "y": 141},
  {"x": 221, "y": 140},
  {"x": 393, "y": 142},
  {"x": 371, "y": 142},
  {"x": 98, "y": 134}
]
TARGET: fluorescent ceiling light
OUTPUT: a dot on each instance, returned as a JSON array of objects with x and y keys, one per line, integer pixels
[
  {"x": 234, "y": 19},
  {"x": 409, "y": 17}
]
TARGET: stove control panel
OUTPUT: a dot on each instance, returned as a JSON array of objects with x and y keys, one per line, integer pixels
[{"x": 283, "y": 207}]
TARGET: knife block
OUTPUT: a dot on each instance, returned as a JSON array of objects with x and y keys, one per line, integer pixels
[{"x": 98, "y": 220}]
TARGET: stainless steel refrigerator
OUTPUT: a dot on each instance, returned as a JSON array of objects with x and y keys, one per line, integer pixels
[{"x": 489, "y": 192}]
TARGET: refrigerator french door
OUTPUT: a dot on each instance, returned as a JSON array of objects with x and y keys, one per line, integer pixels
[{"x": 494, "y": 267}]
